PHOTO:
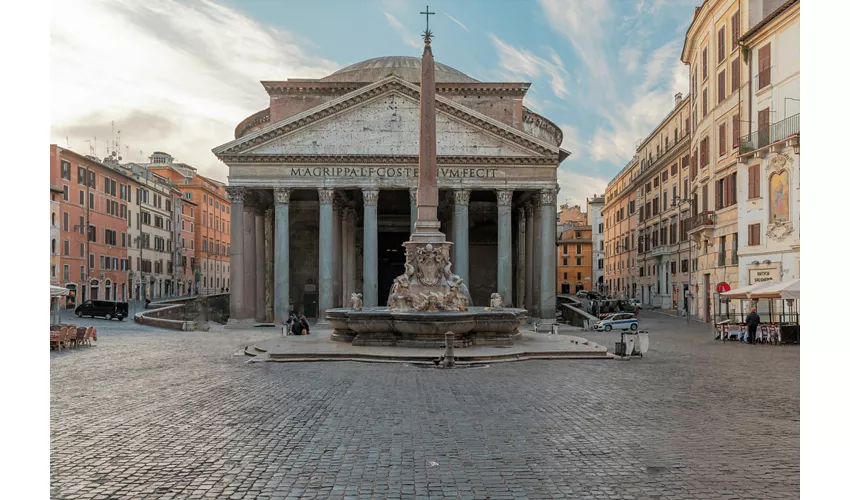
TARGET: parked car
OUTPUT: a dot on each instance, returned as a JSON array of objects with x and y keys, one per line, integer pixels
[
  {"x": 618, "y": 321},
  {"x": 103, "y": 308},
  {"x": 636, "y": 303}
]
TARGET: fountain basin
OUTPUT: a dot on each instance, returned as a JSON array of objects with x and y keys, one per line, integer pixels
[{"x": 380, "y": 326}]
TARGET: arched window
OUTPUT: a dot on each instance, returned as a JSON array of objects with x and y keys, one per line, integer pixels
[{"x": 53, "y": 218}]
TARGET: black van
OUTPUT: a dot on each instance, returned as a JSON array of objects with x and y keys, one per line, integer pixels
[{"x": 103, "y": 308}]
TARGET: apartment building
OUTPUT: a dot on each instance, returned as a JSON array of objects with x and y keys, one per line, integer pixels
[
  {"x": 715, "y": 59},
  {"x": 597, "y": 225},
  {"x": 210, "y": 226},
  {"x": 55, "y": 241},
  {"x": 662, "y": 260},
  {"x": 620, "y": 224},
  {"x": 575, "y": 258},
  {"x": 93, "y": 229},
  {"x": 769, "y": 151},
  {"x": 187, "y": 280}
]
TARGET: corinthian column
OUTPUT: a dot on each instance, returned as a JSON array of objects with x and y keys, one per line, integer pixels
[
  {"x": 547, "y": 243},
  {"x": 237, "y": 269},
  {"x": 503, "y": 199},
  {"x": 326, "y": 197},
  {"x": 269, "y": 274},
  {"x": 250, "y": 262},
  {"x": 520, "y": 258},
  {"x": 370, "y": 247},
  {"x": 461, "y": 229},
  {"x": 337, "y": 250},
  {"x": 350, "y": 261},
  {"x": 260, "y": 265},
  {"x": 281, "y": 254},
  {"x": 529, "y": 258}
]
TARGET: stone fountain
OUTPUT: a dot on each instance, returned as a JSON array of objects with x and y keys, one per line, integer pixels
[{"x": 428, "y": 300}]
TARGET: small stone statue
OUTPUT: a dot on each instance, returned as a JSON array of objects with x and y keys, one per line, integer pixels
[
  {"x": 496, "y": 302},
  {"x": 356, "y": 301}
]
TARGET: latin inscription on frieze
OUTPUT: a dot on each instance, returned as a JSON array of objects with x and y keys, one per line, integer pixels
[{"x": 391, "y": 172}]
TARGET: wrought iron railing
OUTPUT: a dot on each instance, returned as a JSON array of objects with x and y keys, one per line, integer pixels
[
  {"x": 699, "y": 220},
  {"x": 776, "y": 132}
]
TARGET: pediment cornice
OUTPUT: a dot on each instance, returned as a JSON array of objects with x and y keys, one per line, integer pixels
[
  {"x": 373, "y": 91},
  {"x": 387, "y": 159}
]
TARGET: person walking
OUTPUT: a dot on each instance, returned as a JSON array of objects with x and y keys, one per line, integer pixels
[{"x": 753, "y": 322}]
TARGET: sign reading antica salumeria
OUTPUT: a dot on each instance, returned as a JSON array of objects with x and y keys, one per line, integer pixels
[
  {"x": 762, "y": 276},
  {"x": 391, "y": 172}
]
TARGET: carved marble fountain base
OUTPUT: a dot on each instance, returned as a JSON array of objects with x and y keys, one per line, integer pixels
[{"x": 381, "y": 326}]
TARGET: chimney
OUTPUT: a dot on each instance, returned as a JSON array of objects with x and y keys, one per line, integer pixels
[{"x": 677, "y": 99}]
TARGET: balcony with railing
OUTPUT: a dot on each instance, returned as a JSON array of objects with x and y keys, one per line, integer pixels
[
  {"x": 778, "y": 135},
  {"x": 700, "y": 222}
]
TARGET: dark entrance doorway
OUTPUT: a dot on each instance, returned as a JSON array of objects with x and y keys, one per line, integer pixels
[
  {"x": 390, "y": 261},
  {"x": 565, "y": 288}
]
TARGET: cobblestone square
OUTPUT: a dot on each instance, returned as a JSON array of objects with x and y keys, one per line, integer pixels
[{"x": 151, "y": 413}]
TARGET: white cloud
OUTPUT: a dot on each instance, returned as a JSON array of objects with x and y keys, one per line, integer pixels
[
  {"x": 629, "y": 58},
  {"x": 580, "y": 21},
  {"x": 406, "y": 37},
  {"x": 524, "y": 63},
  {"x": 577, "y": 187},
  {"x": 572, "y": 142},
  {"x": 172, "y": 76},
  {"x": 456, "y": 21}
]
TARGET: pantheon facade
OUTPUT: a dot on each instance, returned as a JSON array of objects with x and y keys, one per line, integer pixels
[{"x": 323, "y": 190}]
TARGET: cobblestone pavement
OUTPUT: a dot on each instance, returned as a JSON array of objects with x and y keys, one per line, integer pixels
[{"x": 151, "y": 413}]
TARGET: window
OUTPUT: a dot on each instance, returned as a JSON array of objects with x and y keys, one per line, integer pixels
[
  {"x": 684, "y": 265},
  {"x": 92, "y": 234},
  {"x": 721, "y": 253},
  {"x": 754, "y": 182},
  {"x": 664, "y": 176},
  {"x": 734, "y": 248},
  {"x": 65, "y": 221},
  {"x": 655, "y": 182},
  {"x": 703, "y": 152},
  {"x": 578, "y": 276},
  {"x": 673, "y": 267},
  {"x": 66, "y": 273},
  {"x": 91, "y": 201},
  {"x": 673, "y": 232},
  {"x": 66, "y": 248},
  {"x": 631, "y": 212},
  {"x": 705, "y": 64},
  {"x": 81, "y": 175},
  {"x": 647, "y": 188},
  {"x": 705, "y": 198},
  {"x": 736, "y": 29},
  {"x": 704, "y": 102},
  {"x": 674, "y": 170},
  {"x": 754, "y": 236},
  {"x": 732, "y": 188},
  {"x": 721, "y": 87},
  {"x": 655, "y": 206},
  {"x": 721, "y": 138},
  {"x": 65, "y": 193},
  {"x": 110, "y": 237},
  {"x": 721, "y": 44},
  {"x": 736, "y": 74},
  {"x": 736, "y": 130},
  {"x": 599, "y": 264},
  {"x": 82, "y": 251},
  {"x": 578, "y": 259},
  {"x": 764, "y": 67},
  {"x": 66, "y": 170},
  {"x": 664, "y": 201},
  {"x": 92, "y": 181},
  {"x": 578, "y": 247}
]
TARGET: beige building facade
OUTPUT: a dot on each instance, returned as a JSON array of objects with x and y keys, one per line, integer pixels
[{"x": 619, "y": 214}]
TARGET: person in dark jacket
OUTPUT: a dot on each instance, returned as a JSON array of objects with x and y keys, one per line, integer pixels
[
  {"x": 297, "y": 327},
  {"x": 304, "y": 324},
  {"x": 753, "y": 322}
]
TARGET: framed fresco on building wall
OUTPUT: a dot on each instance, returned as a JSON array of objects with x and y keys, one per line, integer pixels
[{"x": 779, "y": 197}]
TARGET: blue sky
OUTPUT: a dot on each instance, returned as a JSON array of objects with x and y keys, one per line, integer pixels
[{"x": 179, "y": 75}]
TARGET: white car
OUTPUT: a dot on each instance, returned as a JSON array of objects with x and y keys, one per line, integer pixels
[
  {"x": 636, "y": 303},
  {"x": 617, "y": 321}
]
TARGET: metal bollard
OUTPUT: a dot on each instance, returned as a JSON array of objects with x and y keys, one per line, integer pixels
[{"x": 449, "y": 358}]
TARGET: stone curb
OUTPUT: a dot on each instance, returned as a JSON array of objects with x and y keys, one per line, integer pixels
[{"x": 423, "y": 360}]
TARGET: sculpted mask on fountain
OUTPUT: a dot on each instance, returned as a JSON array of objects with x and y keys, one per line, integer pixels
[{"x": 356, "y": 301}]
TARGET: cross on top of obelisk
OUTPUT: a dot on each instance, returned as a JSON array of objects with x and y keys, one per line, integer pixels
[{"x": 428, "y": 34}]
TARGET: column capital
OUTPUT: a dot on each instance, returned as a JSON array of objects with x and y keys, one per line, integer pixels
[
  {"x": 326, "y": 196},
  {"x": 370, "y": 196},
  {"x": 235, "y": 194},
  {"x": 413, "y": 196},
  {"x": 281, "y": 195},
  {"x": 461, "y": 196},
  {"x": 504, "y": 197}
]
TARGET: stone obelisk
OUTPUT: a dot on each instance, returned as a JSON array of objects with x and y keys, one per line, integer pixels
[{"x": 427, "y": 227}]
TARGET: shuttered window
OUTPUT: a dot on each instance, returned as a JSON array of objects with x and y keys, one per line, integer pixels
[
  {"x": 705, "y": 64},
  {"x": 721, "y": 138},
  {"x": 721, "y": 86},
  {"x": 721, "y": 44},
  {"x": 705, "y": 198},
  {"x": 754, "y": 182},
  {"x": 732, "y": 184},
  {"x": 736, "y": 30},
  {"x": 754, "y": 235},
  {"x": 736, "y": 74},
  {"x": 764, "y": 66},
  {"x": 736, "y": 130},
  {"x": 704, "y": 102}
]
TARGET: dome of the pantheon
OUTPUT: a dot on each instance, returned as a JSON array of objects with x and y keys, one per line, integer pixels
[{"x": 406, "y": 68}]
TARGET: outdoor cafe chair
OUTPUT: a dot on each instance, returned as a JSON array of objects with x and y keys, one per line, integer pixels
[
  {"x": 55, "y": 339},
  {"x": 81, "y": 335}
]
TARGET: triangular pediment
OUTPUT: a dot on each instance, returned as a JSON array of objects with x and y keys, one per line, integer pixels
[{"x": 383, "y": 119}]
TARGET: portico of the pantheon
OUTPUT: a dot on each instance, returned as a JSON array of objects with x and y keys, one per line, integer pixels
[{"x": 323, "y": 190}]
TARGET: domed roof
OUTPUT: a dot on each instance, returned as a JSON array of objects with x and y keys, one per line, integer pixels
[{"x": 406, "y": 68}]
